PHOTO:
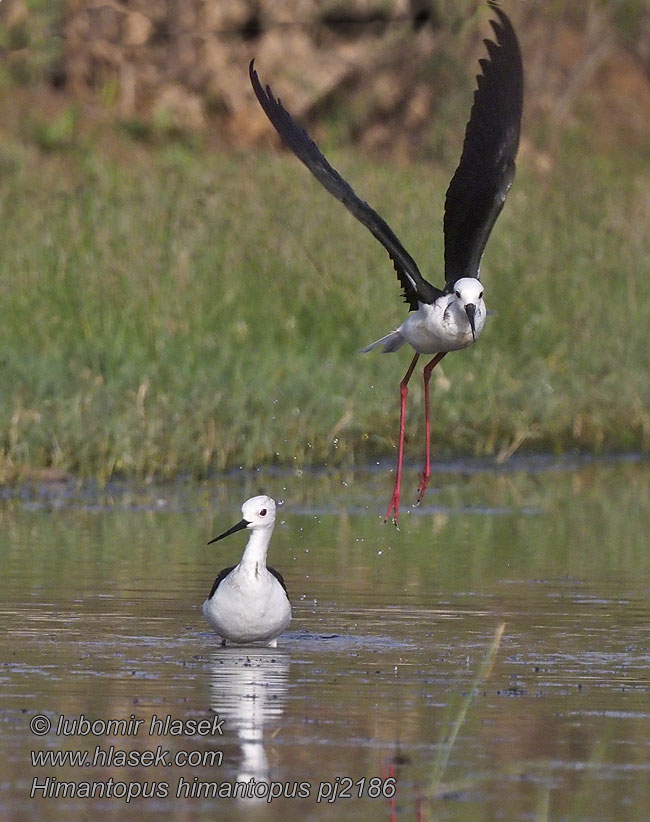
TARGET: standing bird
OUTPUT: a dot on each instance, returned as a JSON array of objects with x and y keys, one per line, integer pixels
[
  {"x": 449, "y": 318},
  {"x": 249, "y": 602}
]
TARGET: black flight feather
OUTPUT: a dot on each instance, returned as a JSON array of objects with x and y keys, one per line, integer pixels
[
  {"x": 415, "y": 287},
  {"x": 478, "y": 189},
  {"x": 479, "y": 186}
]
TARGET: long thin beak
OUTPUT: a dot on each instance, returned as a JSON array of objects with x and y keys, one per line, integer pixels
[
  {"x": 470, "y": 310},
  {"x": 241, "y": 524}
]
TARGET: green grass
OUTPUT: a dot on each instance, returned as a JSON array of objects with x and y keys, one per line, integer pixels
[{"x": 180, "y": 311}]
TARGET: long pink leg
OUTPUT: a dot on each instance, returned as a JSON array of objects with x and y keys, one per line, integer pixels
[
  {"x": 424, "y": 479},
  {"x": 403, "y": 391}
]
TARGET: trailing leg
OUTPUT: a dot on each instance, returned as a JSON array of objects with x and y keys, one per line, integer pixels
[
  {"x": 426, "y": 473},
  {"x": 403, "y": 391}
]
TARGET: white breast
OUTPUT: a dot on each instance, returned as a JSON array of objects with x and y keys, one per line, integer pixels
[
  {"x": 248, "y": 607},
  {"x": 441, "y": 326}
]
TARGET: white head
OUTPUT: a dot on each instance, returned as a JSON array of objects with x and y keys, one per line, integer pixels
[
  {"x": 258, "y": 513},
  {"x": 468, "y": 292}
]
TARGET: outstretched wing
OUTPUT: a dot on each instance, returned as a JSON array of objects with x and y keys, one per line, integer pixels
[
  {"x": 415, "y": 287},
  {"x": 486, "y": 170}
]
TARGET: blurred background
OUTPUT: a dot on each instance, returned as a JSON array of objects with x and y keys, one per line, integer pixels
[
  {"x": 161, "y": 315},
  {"x": 381, "y": 73}
]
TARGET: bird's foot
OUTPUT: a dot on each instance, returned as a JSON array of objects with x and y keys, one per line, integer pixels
[
  {"x": 394, "y": 507},
  {"x": 422, "y": 487}
]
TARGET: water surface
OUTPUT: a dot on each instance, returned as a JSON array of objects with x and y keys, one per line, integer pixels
[{"x": 373, "y": 693}]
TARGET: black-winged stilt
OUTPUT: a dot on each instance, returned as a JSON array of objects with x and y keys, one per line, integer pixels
[
  {"x": 248, "y": 602},
  {"x": 452, "y": 317}
]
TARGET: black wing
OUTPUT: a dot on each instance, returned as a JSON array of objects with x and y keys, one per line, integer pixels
[
  {"x": 486, "y": 170},
  {"x": 415, "y": 287},
  {"x": 220, "y": 578},
  {"x": 279, "y": 578}
]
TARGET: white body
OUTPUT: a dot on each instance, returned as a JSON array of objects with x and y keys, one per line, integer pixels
[
  {"x": 442, "y": 325},
  {"x": 250, "y": 605}
]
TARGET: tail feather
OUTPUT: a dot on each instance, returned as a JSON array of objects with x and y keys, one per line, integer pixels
[{"x": 391, "y": 342}]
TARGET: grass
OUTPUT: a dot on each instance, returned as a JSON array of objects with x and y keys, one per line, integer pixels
[
  {"x": 180, "y": 311},
  {"x": 444, "y": 752}
]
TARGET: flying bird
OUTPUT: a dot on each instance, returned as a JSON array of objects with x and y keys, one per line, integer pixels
[
  {"x": 451, "y": 317},
  {"x": 248, "y": 602}
]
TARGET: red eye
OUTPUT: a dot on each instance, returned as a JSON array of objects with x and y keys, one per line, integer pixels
[{"x": 263, "y": 512}]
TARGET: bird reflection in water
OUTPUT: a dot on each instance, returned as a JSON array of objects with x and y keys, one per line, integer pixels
[{"x": 248, "y": 690}]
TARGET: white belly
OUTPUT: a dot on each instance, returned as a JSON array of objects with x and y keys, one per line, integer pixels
[
  {"x": 248, "y": 609},
  {"x": 433, "y": 329}
]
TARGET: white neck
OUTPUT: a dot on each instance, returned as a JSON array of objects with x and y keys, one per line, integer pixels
[{"x": 256, "y": 548}]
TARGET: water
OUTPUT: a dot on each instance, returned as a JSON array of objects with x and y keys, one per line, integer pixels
[{"x": 381, "y": 694}]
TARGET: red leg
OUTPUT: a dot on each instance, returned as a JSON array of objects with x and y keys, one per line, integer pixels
[
  {"x": 424, "y": 479},
  {"x": 403, "y": 391}
]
